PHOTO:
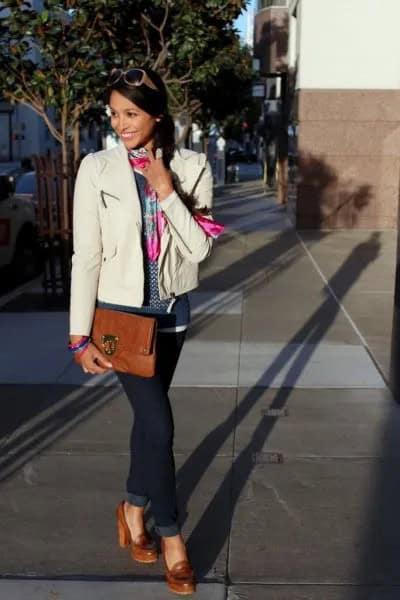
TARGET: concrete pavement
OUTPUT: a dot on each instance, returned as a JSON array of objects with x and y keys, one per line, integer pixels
[{"x": 286, "y": 436}]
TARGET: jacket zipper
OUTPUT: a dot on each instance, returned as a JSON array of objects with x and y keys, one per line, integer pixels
[{"x": 177, "y": 233}]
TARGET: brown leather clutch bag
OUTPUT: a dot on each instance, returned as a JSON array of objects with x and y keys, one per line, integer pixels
[{"x": 127, "y": 340}]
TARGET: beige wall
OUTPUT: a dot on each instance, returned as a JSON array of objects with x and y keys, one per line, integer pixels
[{"x": 349, "y": 44}]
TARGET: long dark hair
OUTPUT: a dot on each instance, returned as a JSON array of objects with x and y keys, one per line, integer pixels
[{"x": 155, "y": 102}]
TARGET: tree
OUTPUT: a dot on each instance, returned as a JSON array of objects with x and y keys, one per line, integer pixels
[
  {"x": 51, "y": 62},
  {"x": 227, "y": 97},
  {"x": 57, "y": 61},
  {"x": 193, "y": 44}
]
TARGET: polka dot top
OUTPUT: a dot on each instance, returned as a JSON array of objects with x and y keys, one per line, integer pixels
[{"x": 151, "y": 291}]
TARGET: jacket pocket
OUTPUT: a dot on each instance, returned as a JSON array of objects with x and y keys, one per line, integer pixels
[
  {"x": 108, "y": 253},
  {"x": 107, "y": 199}
]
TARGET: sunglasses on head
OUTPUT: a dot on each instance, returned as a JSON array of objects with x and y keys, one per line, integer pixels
[{"x": 133, "y": 77}]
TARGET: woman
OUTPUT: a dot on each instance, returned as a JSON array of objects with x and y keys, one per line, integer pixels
[{"x": 137, "y": 246}]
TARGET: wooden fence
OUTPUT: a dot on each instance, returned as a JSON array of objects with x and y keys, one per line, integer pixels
[{"x": 54, "y": 221}]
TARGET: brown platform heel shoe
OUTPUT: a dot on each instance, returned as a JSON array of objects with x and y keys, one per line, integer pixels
[
  {"x": 143, "y": 548},
  {"x": 180, "y": 578}
]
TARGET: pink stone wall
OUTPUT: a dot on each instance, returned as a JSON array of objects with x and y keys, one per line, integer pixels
[{"x": 349, "y": 159}]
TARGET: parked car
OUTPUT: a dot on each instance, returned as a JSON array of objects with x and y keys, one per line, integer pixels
[
  {"x": 19, "y": 250},
  {"x": 235, "y": 155},
  {"x": 25, "y": 187}
]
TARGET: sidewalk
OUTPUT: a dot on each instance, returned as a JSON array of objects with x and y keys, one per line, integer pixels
[{"x": 286, "y": 436}]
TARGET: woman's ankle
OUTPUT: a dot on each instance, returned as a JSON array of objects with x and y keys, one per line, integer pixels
[
  {"x": 134, "y": 514},
  {"x": 173, "y": 540},
  {"x": 132, "y": 509}
]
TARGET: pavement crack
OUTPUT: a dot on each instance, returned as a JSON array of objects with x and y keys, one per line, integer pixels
[{"x": 284, "y": 505}]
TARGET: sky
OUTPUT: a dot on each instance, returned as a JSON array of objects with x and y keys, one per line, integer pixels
[{"x": 241, "y": 21}]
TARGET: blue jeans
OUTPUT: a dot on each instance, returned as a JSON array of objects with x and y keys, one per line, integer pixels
[{"x": 152, "y": 466}]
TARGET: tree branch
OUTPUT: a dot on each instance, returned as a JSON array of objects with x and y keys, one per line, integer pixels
[
  {"x": 160, "y": 30},
  {"x": 181, "y": 81},
  {"x": 174, "y": 98},
  {"x": 24, "y": 88},
  {"x": 195, "y": 106},
  {"x": 146, "y": 37},
  {"x": 165, "y": 19},
  {"x": 222, "y": 8},
  {"x": 150, "y": 22},
  {"x": 163, "y": 55},
  {"x": 78, "y": 110},
  {"x": 85, "y": 41},
  {"x": 52, "y": 128},
  {"x": 184, "y": 78}
]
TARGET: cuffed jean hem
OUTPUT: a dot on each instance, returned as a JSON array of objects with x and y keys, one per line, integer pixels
[
  {"x": 137, "y": 500},
  {"x": 167, "y": 530}
]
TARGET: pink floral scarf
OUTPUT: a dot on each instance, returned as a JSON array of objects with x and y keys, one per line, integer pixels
[{"x": 155, "y": 218}]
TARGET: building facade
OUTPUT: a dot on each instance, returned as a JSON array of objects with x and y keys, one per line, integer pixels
[
  {"x": 344, "y": 56},
  {"x": 342, "y": 59},
  {"x": 271, "y": 29}
]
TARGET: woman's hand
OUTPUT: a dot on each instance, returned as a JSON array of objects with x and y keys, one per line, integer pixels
[
  {"x": 158, "y": 177},
  {"x": 93, "y": 361}
]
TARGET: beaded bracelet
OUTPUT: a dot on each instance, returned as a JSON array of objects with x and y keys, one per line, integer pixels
[
  {"x": 78, "y": 342},
  {"x": 81, "y": 352},
  {"x": 79, "y": 345}
]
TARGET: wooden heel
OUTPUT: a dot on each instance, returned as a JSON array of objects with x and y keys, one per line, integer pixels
[
  {"x": 143, "y": 548},
  {"x": 124, "y": 535},
  {"x": 180, "y": 577}
]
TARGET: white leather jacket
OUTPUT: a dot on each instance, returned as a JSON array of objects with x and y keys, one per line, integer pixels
[{"x": 107, "y": 263}]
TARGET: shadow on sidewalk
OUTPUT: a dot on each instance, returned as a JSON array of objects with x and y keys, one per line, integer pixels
[
  {"x": 33, "y": 421},
  {"x": 380, "y": 541},
  {"x": 248, "y": 274},
  {"x": 299, "y": 350},
  {"x": 29, "y": 431},
  {"x": 30, "y": 424}
]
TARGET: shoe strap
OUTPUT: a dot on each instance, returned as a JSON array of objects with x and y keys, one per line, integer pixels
[
  {"x": 182, "y": 569},
  {"x": 143, "y": 539}
]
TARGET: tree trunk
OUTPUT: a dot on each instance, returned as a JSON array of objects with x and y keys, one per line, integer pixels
[
  {"x": 66, "y": 237},
  {"x": 185, "y": 132},
  {"x": 282, "y": 180},
  {"x": 64, "y": 175},
  {"x": 76, "y": 146}
]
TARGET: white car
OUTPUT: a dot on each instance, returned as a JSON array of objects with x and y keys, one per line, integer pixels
[{"x": 18, "y": 234}]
